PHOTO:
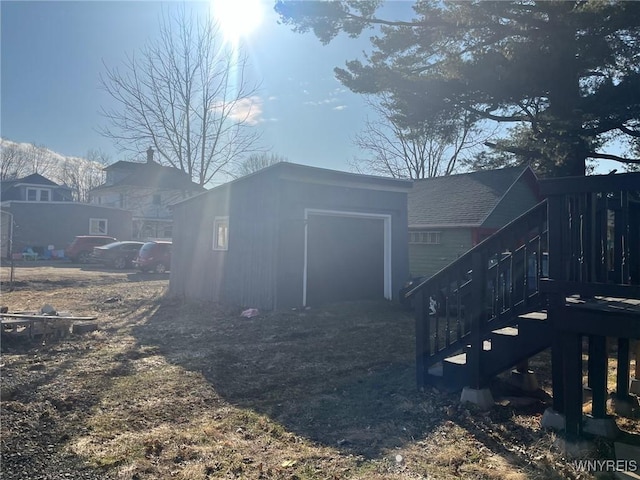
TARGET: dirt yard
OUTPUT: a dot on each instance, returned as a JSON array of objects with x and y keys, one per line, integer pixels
[{"x": 164, "y": 389}]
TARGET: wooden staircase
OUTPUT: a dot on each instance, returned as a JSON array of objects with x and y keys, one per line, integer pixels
[
  {"x": 489, "y": 297},
  {"x": 565, "y": 271},
  {"x": 505, "y": 348}
]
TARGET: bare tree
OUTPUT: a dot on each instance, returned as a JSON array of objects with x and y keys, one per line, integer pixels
[
  {"x": 41, "y": 159},
  {"x": 13, "y": 163},
  {"x": 20, "y": 160},
  {"x": 434, "y": 148},
  {"x": 257, "y": 161},
  {"x": 82, "y": 175},
  {"x": 187, "y": 95}
]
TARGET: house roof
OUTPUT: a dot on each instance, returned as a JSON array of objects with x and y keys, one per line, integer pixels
[
  {"x": 150, "y": 174},
  {"x": 33, "y": 179},
  {"x": 460, "y": 200},
  {"x": 316, "y": 175},
  {"x": 10, "y": 189}
]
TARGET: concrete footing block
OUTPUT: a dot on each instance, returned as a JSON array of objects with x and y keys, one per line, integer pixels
[
  {"x": 625, "y": 406},
  {"x": 552, "y": 420},
  {"x": 481, "y": 397},
  {"x": 601, "y": 427},
  {"x": 634, "y": 386},
  {"x": 629, "y": 456}
]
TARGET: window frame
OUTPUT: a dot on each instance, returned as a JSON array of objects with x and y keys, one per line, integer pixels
[
  {"x": 219, "y": 222},
  {"x": 38, "y": 194},
  {"x": 425, "y": 237},
  {"x": 94, "y": 226}
]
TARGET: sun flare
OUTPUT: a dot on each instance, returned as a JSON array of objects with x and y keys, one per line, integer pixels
[{"x": 237, "y": 18}]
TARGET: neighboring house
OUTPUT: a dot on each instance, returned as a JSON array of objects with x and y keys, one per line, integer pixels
[
  {"x": 147, "y": 190},
  {"x": 35, "y": 188},
  {"x": 6, "y": 226},
  {"x": 290, "y": 236},
  {"x": 45, "y": 219},
  {"x": 449, "y": 215}
]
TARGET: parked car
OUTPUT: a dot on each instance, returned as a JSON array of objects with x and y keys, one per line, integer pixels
[
  {"x": 154, "y": 256},
  {"x": 117, "y": 254},
  {"x": 81, "y": 249}
]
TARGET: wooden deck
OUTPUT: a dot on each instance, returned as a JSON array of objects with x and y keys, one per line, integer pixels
[
  {"x": 608, "y": 316},
  {"x": 566, "y": 271},
  {"x": 596, "y": 319}
]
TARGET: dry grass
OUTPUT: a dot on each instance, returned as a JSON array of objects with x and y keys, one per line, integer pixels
[{"x": 171, "y": 390}]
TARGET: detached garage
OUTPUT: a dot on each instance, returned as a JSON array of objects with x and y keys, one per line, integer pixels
[{"x": 290, "y": 236}]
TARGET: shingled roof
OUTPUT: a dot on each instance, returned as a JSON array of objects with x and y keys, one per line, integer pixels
[
  {"x": 151, "y": 174},
  {"x": 460, "y": 200}
]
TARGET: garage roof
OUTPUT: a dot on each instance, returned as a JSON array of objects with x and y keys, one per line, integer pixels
[{"x": 307, "y": 174}]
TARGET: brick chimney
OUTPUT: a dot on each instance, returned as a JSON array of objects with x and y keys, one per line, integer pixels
[{"x": 150, "y": 155}]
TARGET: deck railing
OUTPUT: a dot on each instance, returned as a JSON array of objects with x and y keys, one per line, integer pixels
[
  {"x": 481, "y": 291},
  {"x": 585, "y": 237},
  {"x": 595, "y": 232},
  {"x": 594, "y": 251}
]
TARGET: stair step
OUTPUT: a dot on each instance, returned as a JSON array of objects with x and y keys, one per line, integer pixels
[
  {"x": 506, "y": 331},
  {"x": 505, "y": 340},
  {"x": 542, "y": 316},
  {"x": 503, "y": 349},
  {"x": 455, "y": 372},
  {"x": 533, "y": 324},
  {"x": 460, "y": 359}
]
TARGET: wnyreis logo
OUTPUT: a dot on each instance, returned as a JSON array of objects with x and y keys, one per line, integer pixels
[{"x": 593, "y": 466}]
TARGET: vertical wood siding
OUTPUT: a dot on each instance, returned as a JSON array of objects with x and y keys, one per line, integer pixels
[
  {"x": 243, "y": 274},
  {"x": 263, "y": 267}
]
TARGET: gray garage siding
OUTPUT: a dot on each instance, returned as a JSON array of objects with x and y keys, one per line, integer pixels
[
  {"x": 264, "y": 266},
  {"x": 40, "y": 224},
  {"x": 244, "y": 273}
]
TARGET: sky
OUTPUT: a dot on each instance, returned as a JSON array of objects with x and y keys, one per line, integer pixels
[{"x": 53, "y": 52}]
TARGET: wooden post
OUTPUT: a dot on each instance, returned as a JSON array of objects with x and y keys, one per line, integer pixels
[
  {"x": 572, "y": 352},
  {"x": 598, "y": 369},
  {"x": 624, "y": 240},
  {"x": 422, "y": 338},
  {"x": 478, "y": 313},
  {"x": 556, "y": 300},
  {"x": 523, "y": 366}
]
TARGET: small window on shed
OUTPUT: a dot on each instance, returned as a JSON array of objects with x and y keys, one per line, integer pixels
[
  {"x": 221, "y": 233},
  {"x": 97, "y": 226},
  {"x": 424, "y": 238}
]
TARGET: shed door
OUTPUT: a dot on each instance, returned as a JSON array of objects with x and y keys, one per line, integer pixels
[{"x": 345, "y": 258}]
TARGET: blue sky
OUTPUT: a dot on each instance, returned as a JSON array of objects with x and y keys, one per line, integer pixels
[{"x": 53, "y": 53}]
